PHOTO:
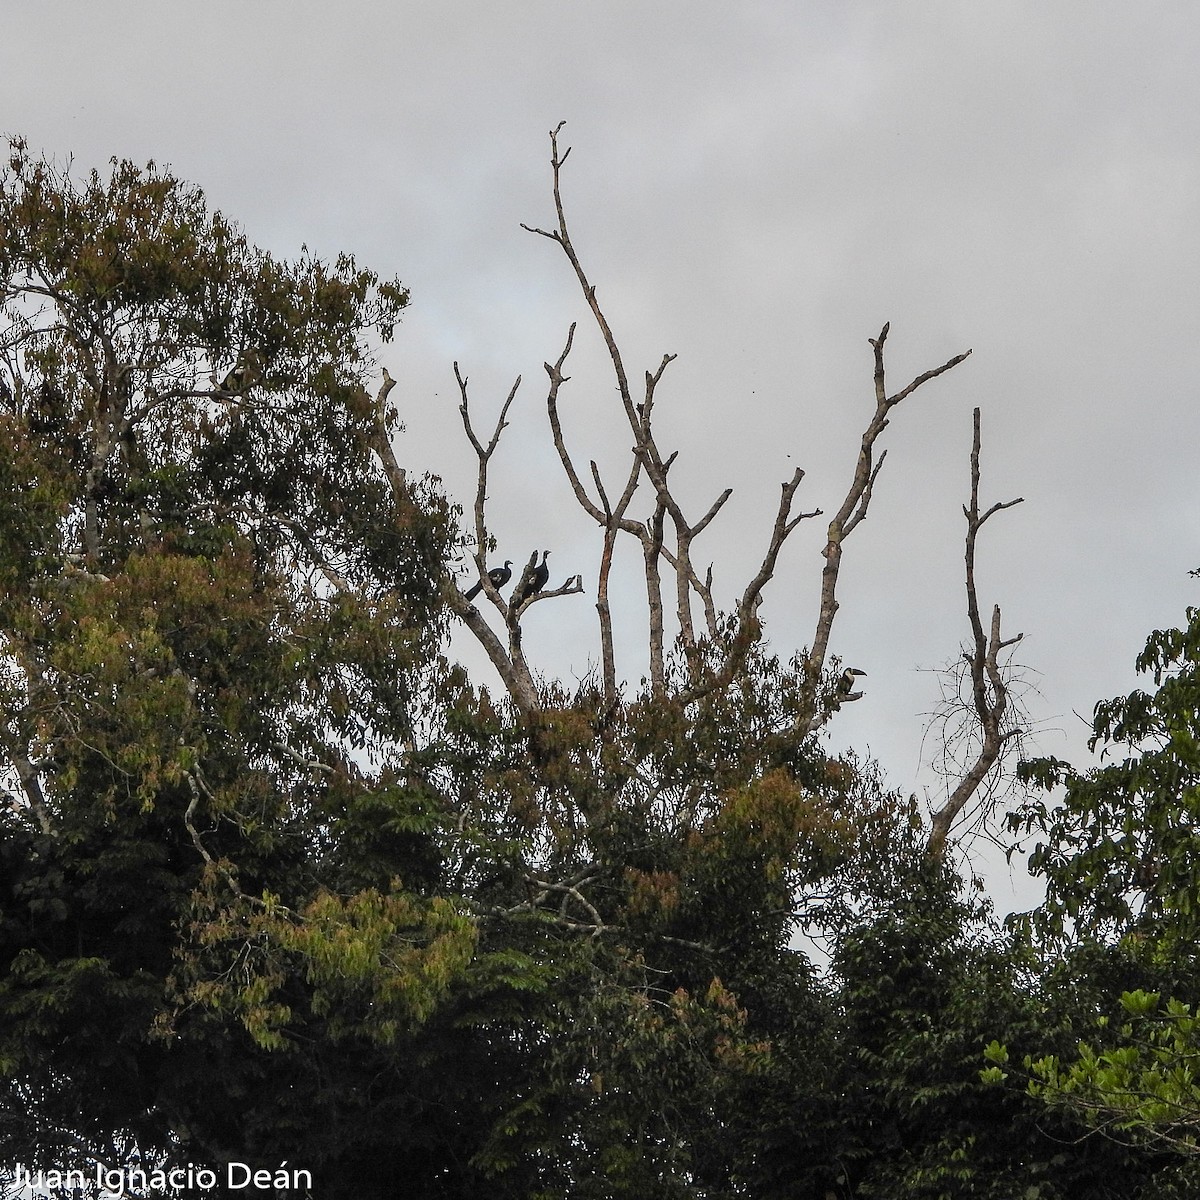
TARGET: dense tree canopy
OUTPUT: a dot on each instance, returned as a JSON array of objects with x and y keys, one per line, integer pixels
[
  {"x": 214, "y": 606},
  {"x": 281, "y": 881},
  {"x": 1119, "y": 853}
]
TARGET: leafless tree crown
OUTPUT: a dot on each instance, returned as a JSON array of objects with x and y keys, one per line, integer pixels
[{"x": 714, "y": 645}]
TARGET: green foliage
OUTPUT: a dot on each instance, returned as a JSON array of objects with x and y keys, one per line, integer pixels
[
  {"x": 1118, "y": 851},
  {"x": 1119, "y": 860},
  {"x": 275, "y": 875},
  {"x": 212, "y": 606},
  {"x": 1143, "y": 1084}
]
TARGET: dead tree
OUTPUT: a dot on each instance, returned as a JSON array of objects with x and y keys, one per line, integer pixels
[
  {"x": 665, "y": 534},
  {"x": 715, "y": 646},
  {"x": 650, "y": 463},
  {"x": 989, "y": 686}
]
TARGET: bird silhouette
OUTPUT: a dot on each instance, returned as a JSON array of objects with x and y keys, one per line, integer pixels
[
  {"x": 846, "y": 684},
  {"x": 533, "y": 579},
  {"x": 498, "y": 576},
  {"x": 245, "y": 374}
]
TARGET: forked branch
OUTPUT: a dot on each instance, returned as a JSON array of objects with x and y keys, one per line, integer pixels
[
  {"x": 611, "y": 518},
  {"x": 380, "y": 435},
  {"x": 648, "y": 459},
  {"x": 650, "y": 463},
  {"x": 854, "y": 507},
  {"x": 510, "y": 663},
  {"x": 512, "y": 670},
  {"x": 989, "y": 689}
]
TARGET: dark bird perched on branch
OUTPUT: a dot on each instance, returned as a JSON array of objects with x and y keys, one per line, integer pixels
[
  {"x": 498, "y": 576},
  {"x": 240, "y": 377},
  {"x": 845, "y": 687},
  {"x": 533, "y": 579}
]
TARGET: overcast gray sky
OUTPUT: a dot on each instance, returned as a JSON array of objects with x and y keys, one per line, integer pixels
[{"x": 755, "y": 187}]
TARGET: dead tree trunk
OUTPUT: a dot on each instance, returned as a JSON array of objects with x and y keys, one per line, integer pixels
[{"x": 711, "y": 660}]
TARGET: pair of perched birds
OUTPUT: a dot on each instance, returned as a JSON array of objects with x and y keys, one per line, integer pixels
[
  {"x": 533, "y": 579},
  {"x": 536, "y": 575}
]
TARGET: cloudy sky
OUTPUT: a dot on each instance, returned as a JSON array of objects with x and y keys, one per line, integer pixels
[{"x": 757, "y": 188}]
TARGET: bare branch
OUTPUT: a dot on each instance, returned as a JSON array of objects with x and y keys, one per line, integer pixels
[
  {"x": 563, "y": 237},
  {"x": 747, "y": 610},
  {"x": 381, "y": 437},
  {"x": 853, "y": 510},
  {"x": 309, "y": 764},
  {"x": 706, "y": 597},
  {"x": 651, "y": 552},
  {"x": 927, "y": 376},
  {"x": 639, "y": 423},
  {"x": 484, "y": 454},
  {"x": 572, "y": 892},
  {"x": 717, "y": 505},
  {"x": 784, "y": 524},
  {"x": 557, "y": 379},
  {"x": 989, "y": 689},
  {"x": 513, "y": 672},
  {"x": 511, "y": 667},
  {"x": 572, "y": 587},
  {"x": 600, "y": 490},
  {"x": 615, "y": 521}
]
